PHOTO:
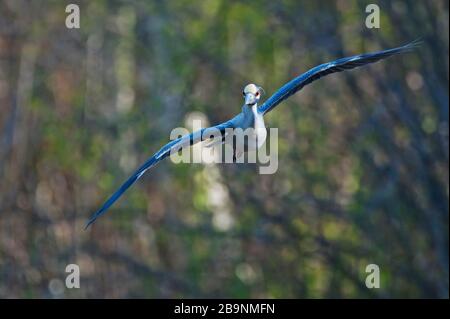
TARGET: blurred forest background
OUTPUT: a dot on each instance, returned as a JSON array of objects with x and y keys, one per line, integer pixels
[{"x": 363, "y": 155}]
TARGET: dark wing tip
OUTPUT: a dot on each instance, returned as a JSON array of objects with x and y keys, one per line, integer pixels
[
  {"x": 90, "y": 221},
  {"x": 94, "y": 218},
  {"x": 413, "y": 44}
]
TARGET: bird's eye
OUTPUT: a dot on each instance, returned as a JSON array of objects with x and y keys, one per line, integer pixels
[
  {"x": 243, "y": 93},
  {"x": 257, "y": 94}
]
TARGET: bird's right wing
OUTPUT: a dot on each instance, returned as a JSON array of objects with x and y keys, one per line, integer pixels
[{"x": 171, "y": 147}]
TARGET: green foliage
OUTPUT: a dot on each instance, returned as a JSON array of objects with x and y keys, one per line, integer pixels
[{"x": 363, "y": 155}]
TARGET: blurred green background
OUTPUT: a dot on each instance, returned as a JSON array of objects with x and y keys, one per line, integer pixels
[{"x": 363, "y": 155}]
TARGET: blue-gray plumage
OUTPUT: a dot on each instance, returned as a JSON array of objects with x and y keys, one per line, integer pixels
[{"x": 251, "y": 115}]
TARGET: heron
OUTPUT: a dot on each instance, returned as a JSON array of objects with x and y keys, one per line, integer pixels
[{"x": 252, "y": 115}]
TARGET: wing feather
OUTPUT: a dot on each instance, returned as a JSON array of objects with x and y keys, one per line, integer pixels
[
  {"x": 165, "y": 151},
  {"x": 339, "y": 65}
]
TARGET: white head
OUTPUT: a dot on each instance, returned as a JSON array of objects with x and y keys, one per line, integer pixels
[{"x": 252, "y": 93}]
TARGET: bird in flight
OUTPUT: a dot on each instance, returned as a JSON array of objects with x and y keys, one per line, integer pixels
[{"x": 252, "y": 115}]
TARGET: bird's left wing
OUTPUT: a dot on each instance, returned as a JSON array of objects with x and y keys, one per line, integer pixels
[
  {"x": 171, "y": 147},
  {"x": 327, "y": 68}
]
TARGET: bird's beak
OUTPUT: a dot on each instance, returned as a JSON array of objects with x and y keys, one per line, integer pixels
[{"x": 250, "y": 99}]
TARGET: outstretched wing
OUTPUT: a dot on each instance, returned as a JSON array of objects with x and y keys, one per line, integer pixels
[
  {"x": 327, "y": 68},
  {"x": 165, "y": 151}
]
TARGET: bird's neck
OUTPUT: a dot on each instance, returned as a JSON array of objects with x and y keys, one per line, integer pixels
[{"x": 250, "y": 110}]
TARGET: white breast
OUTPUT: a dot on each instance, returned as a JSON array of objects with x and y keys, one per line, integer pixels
[{"x": 260, "y": 132}]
